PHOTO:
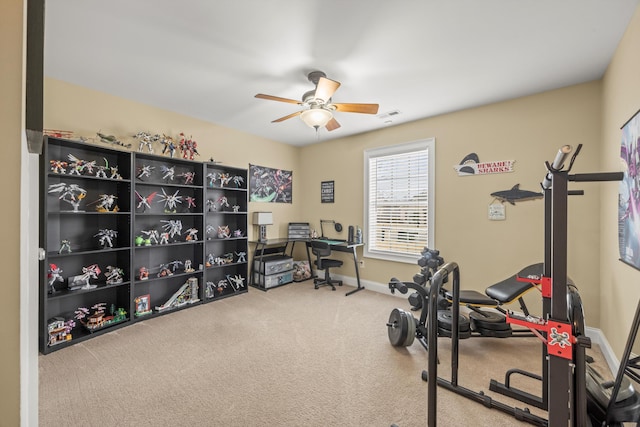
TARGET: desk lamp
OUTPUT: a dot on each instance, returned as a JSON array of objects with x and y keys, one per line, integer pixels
[
  {"x": 336, "y": 225},
  {"x": 262, "y": 219}
]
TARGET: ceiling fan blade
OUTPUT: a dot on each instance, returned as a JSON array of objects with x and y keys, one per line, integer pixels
[
  {"x": 282, "y": 119},
  {"x": 357, "y": 108},
  {"x": 326, "y": 88},
  {"x": 332, "y": 124},
  {"x": 277, "y": 98}
]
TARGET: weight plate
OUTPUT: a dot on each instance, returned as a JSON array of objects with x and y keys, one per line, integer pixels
[
  {"x": 445, "y": 320},
  {"x": 411, "y": 329},
  {"x": 401, "y": 328},
  {"x": 489, "y": 320}
]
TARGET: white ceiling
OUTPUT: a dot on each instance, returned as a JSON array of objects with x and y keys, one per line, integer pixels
[{"x": 208, "y": 58}]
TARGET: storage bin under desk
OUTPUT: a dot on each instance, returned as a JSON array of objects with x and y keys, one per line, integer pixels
[
  {"x": 272, "y": 264},
  {"x": 273, "y": 280}
]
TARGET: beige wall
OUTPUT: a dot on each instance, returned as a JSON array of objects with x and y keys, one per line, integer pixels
[
  {"x": 528, "y": 130},
  {"x": 11, "y": 108},
  {"x": 86, "y": 112},
  {"x": 619, "y": 283}
]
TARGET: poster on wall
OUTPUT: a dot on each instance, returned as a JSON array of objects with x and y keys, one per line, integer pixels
[
  {"x": 629, "y": 194},
  {"x": 270, "y": 185},
  {"x": 327, "y": 191}
]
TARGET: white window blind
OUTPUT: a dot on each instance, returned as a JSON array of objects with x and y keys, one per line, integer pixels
[{"x": 397, "y": 207}]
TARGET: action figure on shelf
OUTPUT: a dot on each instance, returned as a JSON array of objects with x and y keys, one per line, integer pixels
[
  {"x": 212, "y": 178},
  {"x": 169, "y": 145},
  {"x": 105, "y": 237},
  {"x": 111, "y": 139},
  {"x": 209, "y": 290},
  {"x": 146, "y": 140},
  {"x": 237, "y": 233},
  {"x": 228, "y": 258},
  {"x": 192, "y": 234},
  {"x": 114, "y": 275},
  {"x": 188, "y": 177},
  {"x": 106, "y": 203},
  {"x": 188, "y": 147},
  {"x": 65, "y": 245},
  {"x": 58, "y": 166},
  {"x": 172, "y": 226},
  {"x": 164, "y": 238},
  {"x": 70, "y": 193},
  {"x": 90, "y": 272},
  {"x": 101, "y": 171},
  {"x": 209, "y": 229},
  {"x": 236, "y": 281},
  {"x": 224, "y": 178},
  {"x": 114, "y": 173},
  {"x": 191, "y": 202},
  {"x": 241, "y": 256},
  {"x": 235, "y": 208},
  {"x": 152, "y": 236},
  {"x": 54, "y": 275},
  {"x": 223, "y": 201},
  {"x": 211, "y": 205},
  {"x": 222, "y": 285},
  {"x": 170, "y": 201},
  {"x": 145, "y": 202},
  {"x": 165, "y": 271},
  {"x": 145, "y": 171},
  {"x": 187, "y": 266},
  {"x": 76, "y": 166},
  {"x": 143, "y": 273},
  {"x": 223, "y": 232},
  {"x": 210, "y": 260},
  {"x": 175, "y": 264},
  {"x": 238, "y": 180},
  {"x": 168, "y": 172}
]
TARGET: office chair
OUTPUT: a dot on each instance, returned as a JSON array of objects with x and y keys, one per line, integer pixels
[{"x": 322, "y": 249}]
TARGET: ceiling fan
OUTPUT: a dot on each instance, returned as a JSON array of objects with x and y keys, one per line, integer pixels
[{"x": 319, "y": 111}]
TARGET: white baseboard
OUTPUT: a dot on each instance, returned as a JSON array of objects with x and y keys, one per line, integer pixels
[{"x": 596, "y": 335}]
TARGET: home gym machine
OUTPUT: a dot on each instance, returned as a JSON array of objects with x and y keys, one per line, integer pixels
[{"x": 565, "y": 380}]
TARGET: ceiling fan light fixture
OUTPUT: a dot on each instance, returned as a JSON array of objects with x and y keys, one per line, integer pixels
[{"x": 316, "y": 117}]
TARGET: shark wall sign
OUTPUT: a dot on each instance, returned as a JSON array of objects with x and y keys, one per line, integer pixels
[
  {"x": 471, "y": 165},
  {"x": 515, "y": 194}
]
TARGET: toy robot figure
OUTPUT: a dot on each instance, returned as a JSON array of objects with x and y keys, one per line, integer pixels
[
  {"x": 187, "y": 266},
  {"x": 236, "y": 281},
  {"x": 105, "y": 237},
  {"x": 70, "y": 193},
  {"x": 169, "y": 146},
  {"x": 209, "y": 290},
  {"x": 210, "y": 260},
  {"x": 191, "y": 202},
  {"x": 236, "y": 208},
  {"x": 188, "y": 147},
  {"x": 145, "y": 171},
  {"x": 192, "y": 234},
  {"x": 106, "y": 203},
  {"x": 143, "y": 273},
  {"x": 188, "y": 177},
  {"x": 172, "y": 226},
  {"x": 146, "y": 140},
  {"x": 65, "y": 245},
  {"x": 76, "y": 166},
  {"x": 54, "y": 276},
  {"x": 170, "y": 201},
  {"x": 175, "y": 264},
  {"x": 152, "y": 236},
  {"x": 238, "y": 180},
  {"x": 164, "y": 271},
  {"x": 168, "y": 172},
  {"x": 237, "y": 233},
  {"x": 145, "y": 202},
  {"x": 211, "y": 205},
  {"x": 212, "y": 178},
  {"x": 89, "y": 272},
  {"x": 114, "y": 173},
  {"x": 223, "y": 232},
  {"x": 114, "y": 275},
  {"x": 241, "y": 256},
  {"x": 58, "y": 166},
  {"x": 224, "y": 179},
  {"x": 223, "y": 201},
  {"x": 164, "y": 238}
]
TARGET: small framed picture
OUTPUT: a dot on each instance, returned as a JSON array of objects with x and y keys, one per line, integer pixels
[
  {"x": 327, "y": 191},
  {"x": 143, "y": 305}
]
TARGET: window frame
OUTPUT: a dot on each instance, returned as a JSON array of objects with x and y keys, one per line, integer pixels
[{"x": 403, "y": 148}]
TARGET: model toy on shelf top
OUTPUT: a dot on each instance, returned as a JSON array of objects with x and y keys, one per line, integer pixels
[
  {"x": 82, "y": 281},
  {"x": 169, "y": 145},
  {"x": 144, "y": 171},
  {"x": 114, "y": 275},
  {"x": 110, "y": 139},
  {"x": 58, "y": 166},
  {"x": 188, "y": 146},
  {"x": 70, "y": 193},
  {"x": 65, "y": 246},
  {"x": 191, "y": 202},
  {"x": 168, "y": 172},
  {"x": 188, "y": 177},
  {"x": 172, "y": 226},
  {"x": 146, "y": 140}
]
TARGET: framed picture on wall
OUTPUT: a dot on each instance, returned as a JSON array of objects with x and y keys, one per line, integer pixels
[
  {"x": 327, "y": 191},
  {"x": 629, "y": 194}
]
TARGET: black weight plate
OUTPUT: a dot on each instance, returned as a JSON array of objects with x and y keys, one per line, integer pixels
[
  {"x": 411, "y": 329},
  {"x": 495, "y": 334},
  {"x": 447, "y": 333},
  {"x": 445, "y": 320},
  {"x": 493, "y": 321},
  {"x": 401, "y": 328}
]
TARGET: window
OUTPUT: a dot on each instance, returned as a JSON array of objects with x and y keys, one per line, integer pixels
[{"x": 399, "y": 195}]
